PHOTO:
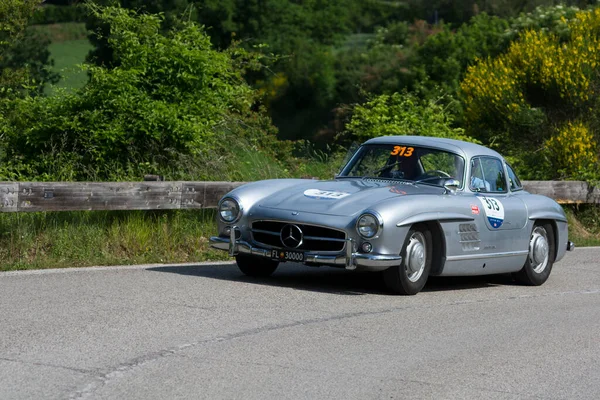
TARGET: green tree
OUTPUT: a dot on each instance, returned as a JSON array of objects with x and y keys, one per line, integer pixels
[
  {"x": 29, "y": 54},
  {"x": 457, "y": 12},
  {"x": 299, "y": 34},
  {"x": 300, "y": 87},
  {"x": 173, "y": 99},
  {"x": 402, "y": 114},
  {"x": 443, "y": 58},
  {"x": 102, "y": 53},
  {"x": 14, "y": 16}
]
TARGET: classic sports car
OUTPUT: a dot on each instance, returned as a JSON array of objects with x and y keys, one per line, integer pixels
[{"x": 409, "y": 206}]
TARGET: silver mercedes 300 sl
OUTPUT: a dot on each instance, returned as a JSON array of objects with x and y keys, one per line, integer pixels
[{"x": 409, "y": 206}]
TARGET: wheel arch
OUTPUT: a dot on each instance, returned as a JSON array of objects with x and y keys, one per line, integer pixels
[
  {"x": 438, "y": 242},
  {"x": 554, "y": 225}
]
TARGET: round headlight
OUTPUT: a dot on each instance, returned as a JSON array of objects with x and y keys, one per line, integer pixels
[
  {"x": 367, "y": 225},
  {"x": 229, "y": 210}
]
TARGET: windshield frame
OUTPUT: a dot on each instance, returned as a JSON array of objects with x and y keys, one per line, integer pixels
[{"x": 352, "y": 161}]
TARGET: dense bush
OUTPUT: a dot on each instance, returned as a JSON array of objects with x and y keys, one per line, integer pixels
[
  {"x": 52, "y": 14},
  {"x": 172, "y": 99},
  {"x": 31, "y": 55},
  {"x": 550, "y": 19},
  {"x": 23, "y": 58},
  {"x": 402, "y": 114}
]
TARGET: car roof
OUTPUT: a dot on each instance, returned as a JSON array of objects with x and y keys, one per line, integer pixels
[{"x": 466, "y": 149}]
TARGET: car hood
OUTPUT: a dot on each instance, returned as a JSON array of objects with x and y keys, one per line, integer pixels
[{"x": 342, "y": 196}]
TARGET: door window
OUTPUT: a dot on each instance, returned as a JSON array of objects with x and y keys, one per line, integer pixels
[{"x": 487, "y": 175}]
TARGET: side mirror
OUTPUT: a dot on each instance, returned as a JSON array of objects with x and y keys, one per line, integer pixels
[{"x": 451, "y": 185}]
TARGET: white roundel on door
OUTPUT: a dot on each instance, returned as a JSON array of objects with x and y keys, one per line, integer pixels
[{"x": 493, "y": 210}]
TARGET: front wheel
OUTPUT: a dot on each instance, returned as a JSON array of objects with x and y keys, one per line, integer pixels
[
  {"x": 540, "y": 259},
  {"x": 410, "y": 276},
  {"x": 257, "y": 267}
]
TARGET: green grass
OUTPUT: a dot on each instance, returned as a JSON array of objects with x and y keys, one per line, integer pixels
[
  {"x": 86, "y": 238},
  {"x": 62, "y": 32},
  {"x": 67, "y": 56},
  {"x": 584, "y": 225}
]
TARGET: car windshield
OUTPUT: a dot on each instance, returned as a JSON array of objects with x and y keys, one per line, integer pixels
[{"x": 399, "y": 161}]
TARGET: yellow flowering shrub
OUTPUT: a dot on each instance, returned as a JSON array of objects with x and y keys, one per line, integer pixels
[
  {"x": 573, "y": 150},
  {"x": 537, "y": 60},
  {"x": 515, "y": 100}
]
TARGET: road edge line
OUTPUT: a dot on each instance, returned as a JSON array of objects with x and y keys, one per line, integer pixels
[{"x": 111, "y": 268}]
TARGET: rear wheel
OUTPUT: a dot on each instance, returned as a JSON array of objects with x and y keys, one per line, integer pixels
[
  {"x": 256, "y": 266},
  {"x": 540, "y": 259},
  {"x": 410, "y": 276}
]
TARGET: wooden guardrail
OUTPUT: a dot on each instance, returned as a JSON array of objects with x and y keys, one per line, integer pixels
[
  {"x": 565, "y": 192},
  {"x": 74, "y": 196}
]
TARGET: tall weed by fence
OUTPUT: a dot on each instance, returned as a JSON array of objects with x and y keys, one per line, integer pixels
[
  {"x": 85, "y": 238},
  {"x": 88, "y": 238}
]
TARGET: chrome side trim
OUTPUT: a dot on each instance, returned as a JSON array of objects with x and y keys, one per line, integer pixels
[{"x": 488, "y": 255}]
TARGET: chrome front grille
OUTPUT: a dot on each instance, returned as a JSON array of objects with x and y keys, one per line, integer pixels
[{"x": 315, "y": 238}]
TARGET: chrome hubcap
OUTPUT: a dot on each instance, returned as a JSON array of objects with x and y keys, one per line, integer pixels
[
  {"x": 539, "y": 250},
  {"x": 415, "y": 257}
]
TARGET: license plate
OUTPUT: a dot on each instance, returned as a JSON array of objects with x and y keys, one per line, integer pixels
[{"x": 283, "y": 255}]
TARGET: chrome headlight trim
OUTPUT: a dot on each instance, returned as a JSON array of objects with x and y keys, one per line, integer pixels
[
  {"x": 230, "y": 202},
  {"x": 375, "y": 220}
]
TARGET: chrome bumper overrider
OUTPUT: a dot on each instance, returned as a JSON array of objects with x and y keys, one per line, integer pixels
[{"x": 348, "y": 259}]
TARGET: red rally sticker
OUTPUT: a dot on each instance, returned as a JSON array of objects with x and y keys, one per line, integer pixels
[
  {"x": 474, "y": 209},
  {"x": 394, "y": 189}
]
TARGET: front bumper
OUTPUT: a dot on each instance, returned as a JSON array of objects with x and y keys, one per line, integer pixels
[{"x": 348, "y": 259}]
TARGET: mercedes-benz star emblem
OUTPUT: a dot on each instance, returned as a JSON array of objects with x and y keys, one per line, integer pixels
[{"x": 291, "y": 236}]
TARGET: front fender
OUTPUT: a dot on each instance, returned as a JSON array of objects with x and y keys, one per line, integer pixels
[{"x": 550, "y": 215}]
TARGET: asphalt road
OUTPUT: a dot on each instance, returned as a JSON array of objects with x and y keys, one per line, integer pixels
[{"x": 206, "y": 331}]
